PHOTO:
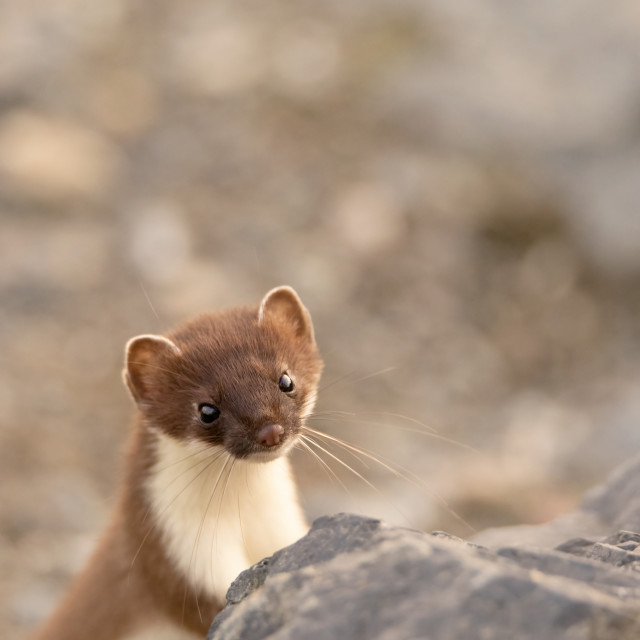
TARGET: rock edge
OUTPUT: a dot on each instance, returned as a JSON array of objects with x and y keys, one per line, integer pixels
[{"x": 356, "y": 577}]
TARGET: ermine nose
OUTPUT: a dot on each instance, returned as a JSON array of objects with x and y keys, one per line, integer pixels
[{"x": 269, "y": 435}]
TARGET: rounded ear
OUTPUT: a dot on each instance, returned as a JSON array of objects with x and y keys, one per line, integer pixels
[
  {"x": 142, "y": 355},
  {"x": 282, "y": 304}
]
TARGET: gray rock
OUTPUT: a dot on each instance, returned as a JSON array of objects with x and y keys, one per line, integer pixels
[
  {"x": 396, "y": 583},
  {"x": 355, "y": 577}
]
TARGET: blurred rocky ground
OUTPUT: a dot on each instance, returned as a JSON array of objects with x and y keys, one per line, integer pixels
[{"x": 452, "y": 187}]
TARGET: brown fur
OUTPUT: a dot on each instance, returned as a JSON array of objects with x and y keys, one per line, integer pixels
[
  {"x": 232, "y": 359},
  {"x": 114, "y": 595}
]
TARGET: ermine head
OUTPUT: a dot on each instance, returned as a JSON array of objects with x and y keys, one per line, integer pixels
[{"x": 243, "y": 379}]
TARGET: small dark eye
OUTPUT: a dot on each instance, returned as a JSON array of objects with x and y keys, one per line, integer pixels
[
  {"x": 286, "y": 383},
  {"x": 208, "y": 413}
]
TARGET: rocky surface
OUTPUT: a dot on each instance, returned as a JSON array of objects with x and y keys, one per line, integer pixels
[{"x": 355, "y": 577}]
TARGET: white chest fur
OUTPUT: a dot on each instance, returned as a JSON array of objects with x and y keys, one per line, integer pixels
[{"x": 220, "y": 515}]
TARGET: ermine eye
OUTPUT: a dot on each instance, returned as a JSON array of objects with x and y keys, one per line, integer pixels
[
  {"x": 208, "y": 413},
  {"x": 286, "y": 383}
]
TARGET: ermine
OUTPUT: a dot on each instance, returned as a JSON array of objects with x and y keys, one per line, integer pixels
[{"x": 207, "y": 488}]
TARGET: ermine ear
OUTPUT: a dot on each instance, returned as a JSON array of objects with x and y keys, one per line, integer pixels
[
  {"x": 142, "y": 355},
  {"x": 284, "y": 305}
]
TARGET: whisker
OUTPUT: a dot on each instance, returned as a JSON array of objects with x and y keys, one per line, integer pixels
[
  {"x": 214, "y": 538},
  {"x": 401, "y": 416},
  {"x": 351, "y": 453},
  {"x": 332, "y": 474},
  {"x": 404, "y": 474},
  {"x": 343, "y": 415},
  {"x": 375, "y": 458},
  {"x": 210, "y": 461},
  {"x": 426, "y": 432},
  {"x": 197, "y": 539},
  {"x": 146, "y": 295},
  {"x": 375, "y": 374},
  {"x": 224, "y": 489},
  {"x": 353, "y": 449},
  {"x": 340, "y": 461},
  {"x": 353, "y": 372},
  {"x": 310, "y": 440},
  {"x": 332, "y": 414},
  {"x": 335, "y": 381},
  {"x": 193, "y": 454},
  {"x": 244, "y": 541}
]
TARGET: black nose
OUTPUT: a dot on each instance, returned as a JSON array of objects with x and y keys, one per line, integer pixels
[{"x": 269, "y": 435}]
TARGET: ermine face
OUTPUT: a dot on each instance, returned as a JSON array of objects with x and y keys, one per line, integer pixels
[
  {"x": 250, "y": 396},
  {"x": 233, "y": 379}
]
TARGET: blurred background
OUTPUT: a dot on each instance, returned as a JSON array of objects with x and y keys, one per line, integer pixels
[{"x": 453, "y": 187}]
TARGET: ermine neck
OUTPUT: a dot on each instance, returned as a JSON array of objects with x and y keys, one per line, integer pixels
[{"x": 218, "y": 515}]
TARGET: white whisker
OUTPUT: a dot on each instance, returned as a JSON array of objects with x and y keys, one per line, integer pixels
[
  {"x": 395, "y": 469},
  {"x": 332, "y": 474}
]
